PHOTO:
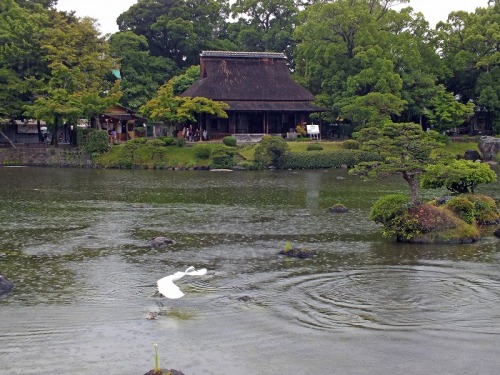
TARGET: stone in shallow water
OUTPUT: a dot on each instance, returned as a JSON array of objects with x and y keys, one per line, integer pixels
[
  {"x": 5, "y": 285},
  {"x": 497, "y": 233},
  {"x": 161, "y": 241}
]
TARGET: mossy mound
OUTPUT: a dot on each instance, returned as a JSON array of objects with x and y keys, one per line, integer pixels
[{"x": 432, "y": 224}]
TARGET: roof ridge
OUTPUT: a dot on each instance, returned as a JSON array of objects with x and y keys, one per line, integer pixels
[{"x": 274, "y": 55}]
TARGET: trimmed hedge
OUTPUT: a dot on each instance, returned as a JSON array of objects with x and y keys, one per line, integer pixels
[{"x": 325, "y": 159}]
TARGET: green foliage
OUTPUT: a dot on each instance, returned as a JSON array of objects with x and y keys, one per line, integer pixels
[
  {"x": 445, "y": 112},
  {"x": 270, "y": 150},
  {"x": 458, "y": 176},
  {"x": 202, "y": 151},
  {"x": 181, "y": 142},
  {"x": 325, "y": 159},
  {"x": 229, "y": 141},
  {"x": 463, "y": 208},
  {"x": 389, "y": 207},
  {"x": 351, "y": 144},
  {"x": 486, "y": 210},
  {"x": 168, "y": 141},
  {"x": 406, "y": 151},
  {"x": 97, "y": 142},
  {"x": 222, "y": 161},
  {"x": 314, "y": 147}
]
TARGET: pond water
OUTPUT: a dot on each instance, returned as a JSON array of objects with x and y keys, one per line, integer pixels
[{"x": 76, "y": 245}]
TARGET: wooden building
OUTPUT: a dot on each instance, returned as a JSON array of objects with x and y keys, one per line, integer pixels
[
  {"x": 121, "y": 121},
  {"x": 257, "y": 86}
]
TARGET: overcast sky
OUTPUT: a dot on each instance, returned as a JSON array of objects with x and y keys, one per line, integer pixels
[{"x": 107, "y": 11}]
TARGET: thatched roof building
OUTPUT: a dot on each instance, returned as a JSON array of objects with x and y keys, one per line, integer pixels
[{"x": 262, "y": 97}]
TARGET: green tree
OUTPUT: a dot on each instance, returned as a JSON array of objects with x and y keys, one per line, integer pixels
[
  {"x": 406, "y": 150},
  {"x": 445, "y": 112},
  {"x": 458, "y": 176},
  {"x": 78, "y": 62},
  {"x": 23, "y": 71},
  {"x": 168, "y": 108},
  {"x": 141, "y": 74},
  {"x": 177, "y": 29},
  {"x": 468, "y": 43},
  {"x": 264, "y": 25},
  {"x": 364, "y": 60}
]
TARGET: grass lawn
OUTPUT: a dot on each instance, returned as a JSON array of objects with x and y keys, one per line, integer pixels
[{"x": 147, "y": 156}]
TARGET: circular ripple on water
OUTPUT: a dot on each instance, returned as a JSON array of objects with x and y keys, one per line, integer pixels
[{"x": 425, "y": 297}]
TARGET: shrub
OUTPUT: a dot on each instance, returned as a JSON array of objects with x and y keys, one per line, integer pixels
[
  {"x": 97, "y": 142},
  {"x": 314, "y": 147},
  {"x": 169, "y": 141},
  {"x": 181, "y": 142},
  {"x": 325, "y": 159},
  {"x": 389, "y": 207},
  {"x": 463, "y": 208},
  {"x": 202, "y": 151},
  {"x": 155, "y": 143},
  {"x": 351, "y": 144},
  {"x": 485, "y": 209},
  {"x": 229, "y": 141},
  {"x": 270, "y": 150},
  {"x": 222, "y": 162}
]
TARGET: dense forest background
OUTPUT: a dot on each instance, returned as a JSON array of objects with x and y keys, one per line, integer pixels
[{"x": 366, "y": 61}]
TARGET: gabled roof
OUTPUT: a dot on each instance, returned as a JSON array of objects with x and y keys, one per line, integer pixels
[{"x": 246, "y": 76}]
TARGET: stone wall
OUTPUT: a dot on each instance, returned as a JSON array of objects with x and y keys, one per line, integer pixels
[{"x": 45, "y": 157}]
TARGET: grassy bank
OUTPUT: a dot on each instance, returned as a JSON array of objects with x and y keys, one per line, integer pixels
[{"x": 157, "y": 154}]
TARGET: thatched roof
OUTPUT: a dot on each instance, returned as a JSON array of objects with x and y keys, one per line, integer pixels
[{"x": 250, "y": 81}]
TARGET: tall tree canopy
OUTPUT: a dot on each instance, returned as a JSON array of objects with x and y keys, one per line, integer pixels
[{"x": 469, "y": 45}]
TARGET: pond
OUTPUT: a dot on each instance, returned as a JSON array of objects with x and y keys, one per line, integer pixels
[{"x": 75, "y": 243}]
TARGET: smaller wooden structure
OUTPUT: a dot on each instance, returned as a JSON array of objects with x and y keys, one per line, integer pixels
[{"x": 120, "y": 122}]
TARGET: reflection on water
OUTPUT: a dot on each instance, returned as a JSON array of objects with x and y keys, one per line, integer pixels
[{"x": 76, "y": 245}]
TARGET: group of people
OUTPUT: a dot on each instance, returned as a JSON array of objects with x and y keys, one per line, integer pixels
[{"x": 191, "y": 135}]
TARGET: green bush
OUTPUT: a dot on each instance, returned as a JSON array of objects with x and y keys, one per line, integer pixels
[
  {"x": 155, "y": 143},
  {"x": 269, "y": 150},
  {"x": 351, "y": 144},
  {"x": 314, "y": 147},
  {"x": 463, "y": 208},
  {"x": 181, "y": 142},
  {"x": 325, "y": 159},
  {"x": 97, "y": 142},
  {"x": 168, "y": 141},
  {"x": 229, "y": 141},
  {"x": 222, "y": 162},
  {"x": 485, "y": 208},
  {"x": 202, "y": 151},
  {"x": 389, "y": 207}
]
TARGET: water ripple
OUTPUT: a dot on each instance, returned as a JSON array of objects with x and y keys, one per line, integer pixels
[{"x": 401, "y": 298}]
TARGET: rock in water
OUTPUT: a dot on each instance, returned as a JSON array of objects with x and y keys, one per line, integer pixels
[
  {"x": 5, "y": 285},
  {"x": 161, "y": 241},
  {"x": 497, "y": 233}
]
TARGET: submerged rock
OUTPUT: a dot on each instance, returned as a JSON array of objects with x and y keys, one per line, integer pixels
[
  {"x": 161, "y": 241},
  {"x": 297, "y": 253},
  {"x": 5, "y": 285},
  {"x": 496, "y": 233},
  {"x": 338, "y": 209}
]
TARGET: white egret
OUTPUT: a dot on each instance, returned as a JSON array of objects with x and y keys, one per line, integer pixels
[{"x": 166, "y": 284}]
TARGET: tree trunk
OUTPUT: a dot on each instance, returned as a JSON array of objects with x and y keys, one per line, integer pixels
[
  {"x": 8, "y": 139},
  {"x": 55, "y": 136},
  {"x": 413, "y": 184}
]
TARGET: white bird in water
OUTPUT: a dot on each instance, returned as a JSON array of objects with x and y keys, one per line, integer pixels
[{"x": 166, "y": 284}]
